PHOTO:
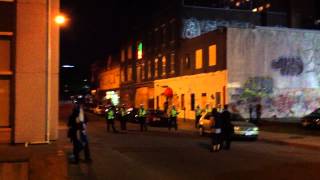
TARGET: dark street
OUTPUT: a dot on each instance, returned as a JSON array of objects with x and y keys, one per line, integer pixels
[{"x": 159, "y": 154}]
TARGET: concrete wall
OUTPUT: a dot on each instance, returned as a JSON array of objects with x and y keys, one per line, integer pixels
[
  {"x": 276, "y": 67},
  {"x": 36, "y": 75},
  {"x": 209, "y": 83}
]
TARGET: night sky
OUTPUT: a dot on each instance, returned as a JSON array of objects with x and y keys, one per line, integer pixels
[{"x": 96, "y": 28}]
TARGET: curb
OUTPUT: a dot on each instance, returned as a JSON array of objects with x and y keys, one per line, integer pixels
[{"x": 299, "y": 145}]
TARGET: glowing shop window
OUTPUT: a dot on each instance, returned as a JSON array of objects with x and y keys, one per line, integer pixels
[
  {"x": 156, "y": 66},
  {"x": 130, "y": 52},
  {"x": 4, "y": 102},
  {"x": 123, "y": 53},
  {"x": 4, "y": 55},
  {"x": 113, "y": 96},
  {"x": 212, "y": 55},
  {"x": 164, "y": 65},
  {"x": 140, "y": 53},
  {"x": 199, "y": 59}
]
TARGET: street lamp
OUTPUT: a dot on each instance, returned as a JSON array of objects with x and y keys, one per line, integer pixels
[{"x": 60, "y": 19}]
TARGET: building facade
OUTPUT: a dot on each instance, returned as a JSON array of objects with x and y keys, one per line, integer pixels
[{"x": 29, "y": 71}]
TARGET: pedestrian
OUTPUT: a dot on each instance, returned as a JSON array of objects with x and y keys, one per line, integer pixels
[
  {"x": 219, "y": 108},
  {"x": 142, "y": 113},
  {"x": 216, "y": 130},
  {"x": 198, "y": 116},
  {"x": 208, "y": 108},
  {"x": 84, "y": 134},
  {"x": 227, "y": 128},
  {"x": 258, "y": 113},
  {"x": 78, "y": 133},
  {"x": 123, "y": 117},
  {"x": 173, "y": 118},
  {"x": 73, "y": 134},
  {"x": 110, "y": 117}
]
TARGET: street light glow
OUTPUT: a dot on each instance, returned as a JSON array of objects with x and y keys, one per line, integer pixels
[
  {"x": 60, "y": 19},
  {"x": 68, "y": 66}
]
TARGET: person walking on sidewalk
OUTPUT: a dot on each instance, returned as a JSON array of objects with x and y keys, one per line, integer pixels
[
  {"x": 173, "y": 118},
  {"x": 74, "y": 126},
  {"x": 198, "y": 116},
  {"x": 84, "y": 134},
  {"x": 227, "y": 128},
  {"x": 123, "y": 117},
  {"x": 110, "y": 116},
  {"x": 217, "y": 129},
  {"x": 142, "y": 113}
]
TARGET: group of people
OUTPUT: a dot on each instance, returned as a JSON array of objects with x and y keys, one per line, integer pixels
[
  {"x": 222, "y": 128},
  {"x": 141, "y": 115}
]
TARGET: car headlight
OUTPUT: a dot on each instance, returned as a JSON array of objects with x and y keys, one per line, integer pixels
[
  {"x": 256, "y": 129},
  {"x": 237, "y": 128}
]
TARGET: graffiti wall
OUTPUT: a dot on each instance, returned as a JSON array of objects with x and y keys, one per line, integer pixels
[{"x": 278, "y": 68}]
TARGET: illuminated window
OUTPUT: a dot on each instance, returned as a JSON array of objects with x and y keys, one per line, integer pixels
[
  {"x": 149, "y": 69},
  {"x": 129, "y": 52},
  {"x": 199, "y": 59},
  {"x": 123, "y": 54},
  {"x": 172, "y": 63},
  {"x": 129, "y": 73},
  {"x": 164, "y": 65},
  {"x": 139, "y": 50},
  {"x": 156, "y": 67},
  {"x": 122, "y": 75},
  {"x": 212, "y": 55},
  {"x": 5, "y": 55},
  {"x": 4, "y": 102}
]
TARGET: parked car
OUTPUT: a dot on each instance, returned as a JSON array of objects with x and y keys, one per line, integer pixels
[
  {"x": 157, "y": 118},
  {"x": 242, "y": 128},
  {"x": 100, "y": 110},
  {"x": 311, "y": 120}
]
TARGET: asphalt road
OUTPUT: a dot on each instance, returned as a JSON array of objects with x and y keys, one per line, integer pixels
[{"x": 159, "y": 154}]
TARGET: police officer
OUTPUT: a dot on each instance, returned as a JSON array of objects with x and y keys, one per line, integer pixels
[
  {"x": 142, "y": 113},
  {"x": 123, "y": 117},
  {"x": 173, "y": 118},
  {"x": 198, "y": 116},
  {"x": 208, "y": 108},
  {"x": 110, "y": 116}
]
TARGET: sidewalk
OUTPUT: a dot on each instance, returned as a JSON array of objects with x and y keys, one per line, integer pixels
[{"x": 289, "y": 135}]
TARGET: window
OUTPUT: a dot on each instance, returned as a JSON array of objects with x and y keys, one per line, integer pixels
[
  {"x": 192, "y": 102},
  {"x": 158, "y": 102},
  {"x": 218, "y": 98},
  {"x": 182, "y": 101},
  {"x": 122, "y": 75},
  {"x": 172, "y": 63},
  {"x": 156, "y": 67},
  {"x": 164, "y": 65},
  {"x": 129, "y": 52},
  {"x": 123, "y": 54},
  {"x": 199, "y": 59},
  {"x": 187, "y": 62},
  {"x": 203, "y": 99},
  {"x": 5, "y": 81},
  {"x": 129, "y": 73},
  {"x": 212, "y": 55},
  {"x": 149, "y": 69}
]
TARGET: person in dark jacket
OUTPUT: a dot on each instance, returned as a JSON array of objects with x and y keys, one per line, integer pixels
[
  {"x": 217, "y": 130},
  {"x": 123, "y": 118},
  {"x": 227, "y": 128}
]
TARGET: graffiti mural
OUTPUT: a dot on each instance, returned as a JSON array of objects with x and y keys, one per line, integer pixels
[{"x": 278, "y": 68}]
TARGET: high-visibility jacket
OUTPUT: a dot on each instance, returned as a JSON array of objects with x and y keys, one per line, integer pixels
[
  {"x": 198, "y": 112},
  {"x": 142, "y": 112},
  {"x": 208, "y": 110},
  {"x": 174, "y": 113},
  {"x": 110, "y": 114},
  {"x": 123, "y": 112}
]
